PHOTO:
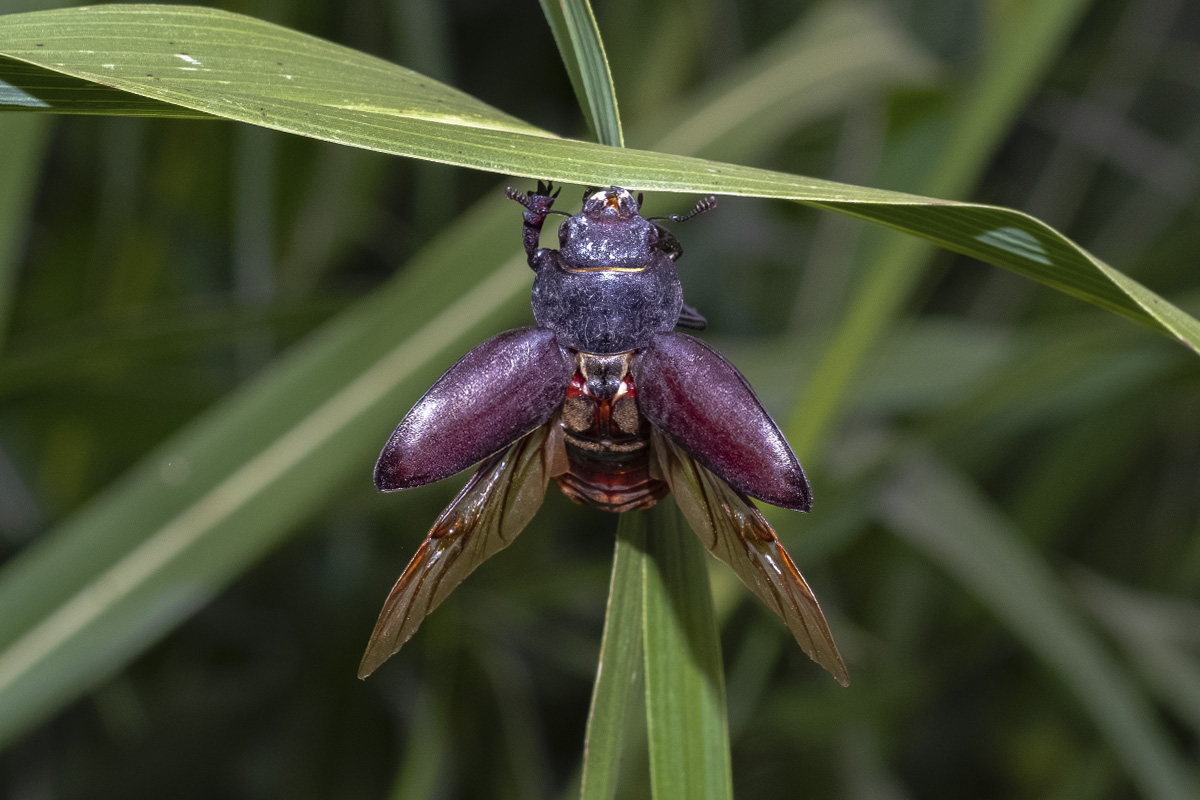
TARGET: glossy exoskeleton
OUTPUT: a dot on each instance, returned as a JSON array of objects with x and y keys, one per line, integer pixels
[{"x": 604, "y": 397}]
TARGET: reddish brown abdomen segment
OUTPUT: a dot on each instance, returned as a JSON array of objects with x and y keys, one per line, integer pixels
[{"x": 607, "y": 439}]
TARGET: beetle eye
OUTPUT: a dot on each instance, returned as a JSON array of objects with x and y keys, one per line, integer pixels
[{"x": 562, "y": 233}]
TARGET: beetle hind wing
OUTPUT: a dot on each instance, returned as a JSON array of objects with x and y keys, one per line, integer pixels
[
  {"x": 495, "y": 505},
  {"x": 734, "y": 531}
]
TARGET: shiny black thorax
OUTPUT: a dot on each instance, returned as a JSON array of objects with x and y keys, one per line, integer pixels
[{"x": 612, "y": 282}]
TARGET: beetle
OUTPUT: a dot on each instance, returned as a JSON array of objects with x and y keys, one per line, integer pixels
[{"x": 604, "y": 397}]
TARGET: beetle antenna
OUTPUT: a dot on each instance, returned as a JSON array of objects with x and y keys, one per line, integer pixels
[{"x": 705, "y": 204}]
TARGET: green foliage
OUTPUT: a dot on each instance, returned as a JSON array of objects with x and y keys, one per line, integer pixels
[
  {"x": 685, "y": 685},
  {"x": 204, "y": 349},
  {"x": 332, "y": 93}
]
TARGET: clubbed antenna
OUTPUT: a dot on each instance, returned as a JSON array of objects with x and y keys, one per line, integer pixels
[{"x": 705, "y": 204}]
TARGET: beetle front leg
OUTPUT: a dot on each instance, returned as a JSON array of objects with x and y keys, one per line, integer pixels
[{"x": 537, "y": 205}]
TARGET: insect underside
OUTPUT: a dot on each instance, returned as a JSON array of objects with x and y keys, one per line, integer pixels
[{"x": 606, "y": 439}]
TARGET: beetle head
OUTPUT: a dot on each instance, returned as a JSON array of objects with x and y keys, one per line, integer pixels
[
  {"x": 610, "y": 203},
  {"x": 608, "y": 234}
]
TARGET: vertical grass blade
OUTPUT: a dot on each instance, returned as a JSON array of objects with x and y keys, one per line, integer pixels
[
  {"x": 594, "y": 72},
  {"x": 685, "y": 684},
  {"x": 555, "y": 18},
  {"x": 620, "y": 665},
  {"x": 578, "y": 37},
  {"x": 944, "y": 518}
]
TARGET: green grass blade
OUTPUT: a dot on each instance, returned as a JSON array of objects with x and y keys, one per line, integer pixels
[
  {"x": 610, "y": 706},
  {"x": 620, "y": 666},
  {"x": 938, "y": 513},
  {"x": 685, "y": 684},
  {"x": 1160, "y": 634},
  {"x": 553, "y": 11},
  {"x": 594, "y": 75},
  {"x": 24, "y": 87},
  {"x": 219, "y": 495},
  {"x": 340, "y": 95}
]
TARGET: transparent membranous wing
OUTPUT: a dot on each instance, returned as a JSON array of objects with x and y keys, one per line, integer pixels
[
  {"x": 733, "y": 530},
  {"x": 496, "y": 504}
]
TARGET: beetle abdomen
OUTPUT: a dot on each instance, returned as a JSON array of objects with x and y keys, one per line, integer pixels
[
  {"x": 607, "y": 439},
  {"x": 609, "y": 485}
]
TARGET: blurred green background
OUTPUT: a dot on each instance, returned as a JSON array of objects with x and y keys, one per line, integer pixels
[{"x": 1006, "y": 535}]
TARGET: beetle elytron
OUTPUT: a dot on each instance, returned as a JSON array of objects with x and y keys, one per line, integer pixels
[{"x": 603, "y": 396}]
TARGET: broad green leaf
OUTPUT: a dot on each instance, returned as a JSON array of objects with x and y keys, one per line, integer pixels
[
  {"x": 942, "y": 516},
  {"x": 24, "y": 87},
  {"x": 243, "y": 69},
  {"x": 620, "y": 665},
  {"x": 685, "y": 685}
]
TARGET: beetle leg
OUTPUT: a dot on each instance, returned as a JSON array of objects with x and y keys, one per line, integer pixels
[
  {"x": 668, "y": 243},
  {"x": 537, "y": 205},
  {"x": 666, "y": 240},
  {"x": 691, "y": 319}
]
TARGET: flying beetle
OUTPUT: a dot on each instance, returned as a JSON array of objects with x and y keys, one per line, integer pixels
[{"x": 604, "y": 397}]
